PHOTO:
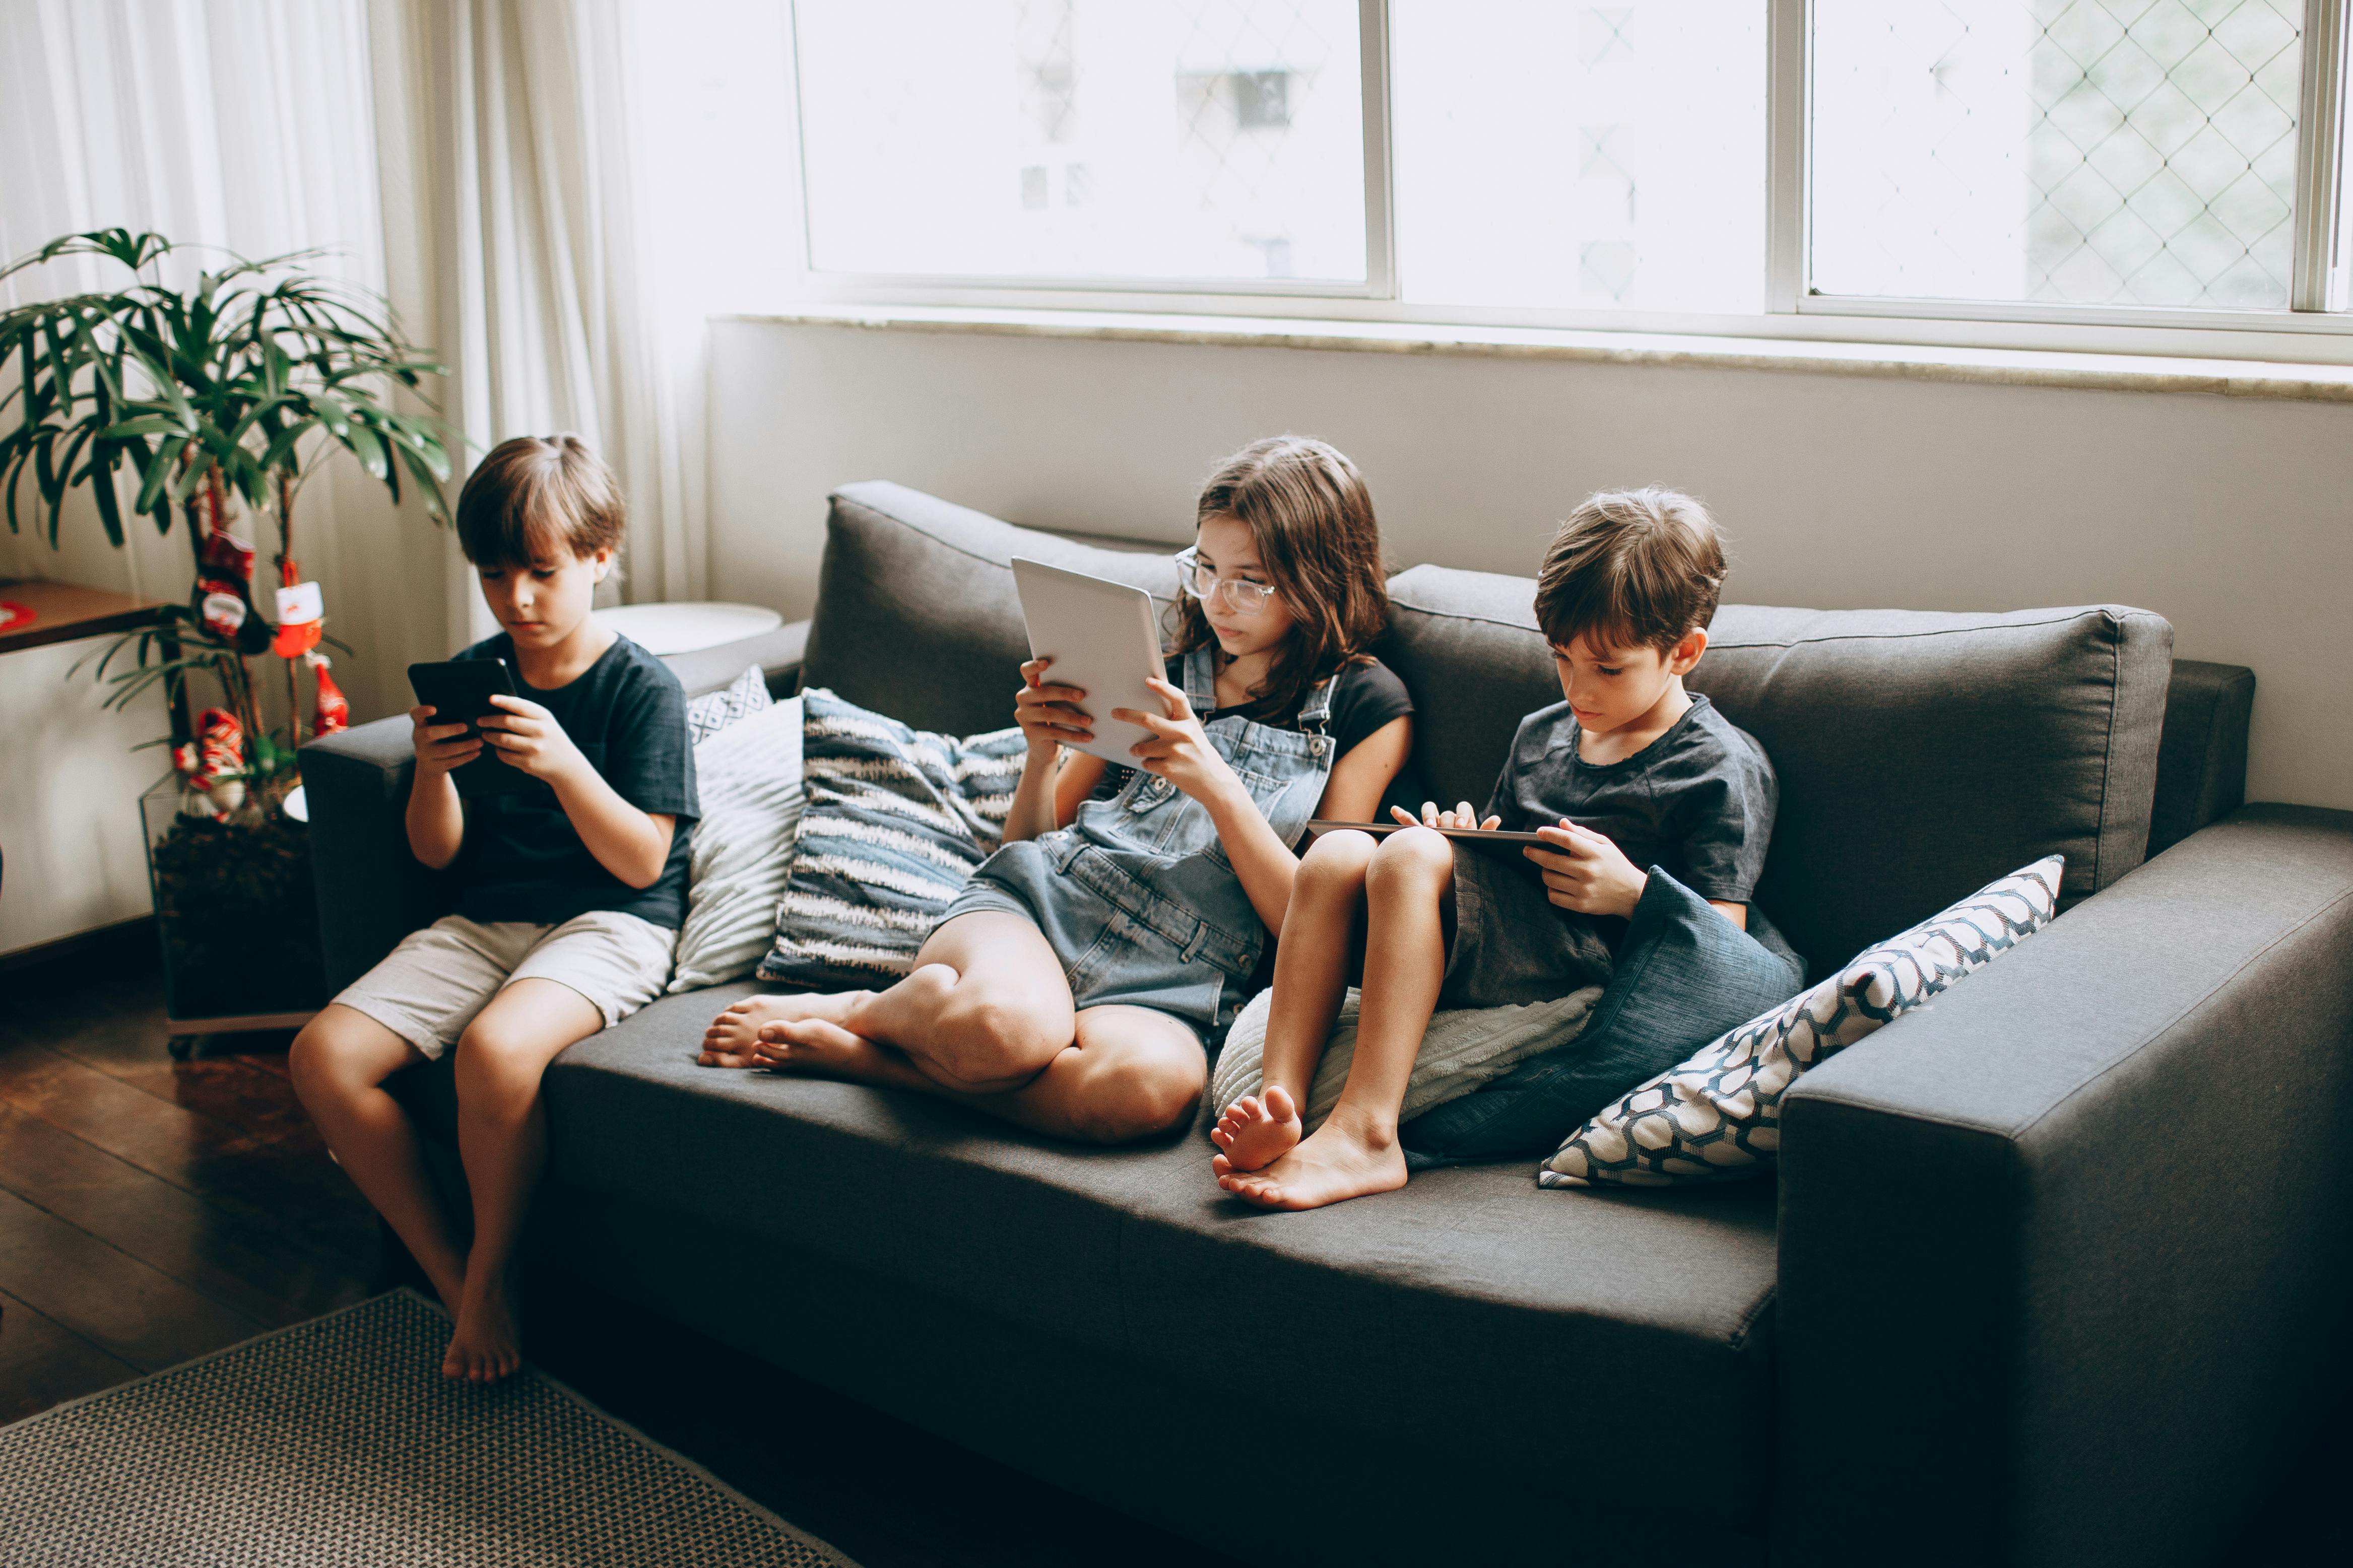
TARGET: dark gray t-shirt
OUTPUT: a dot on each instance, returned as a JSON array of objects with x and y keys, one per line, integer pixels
[
  {"x": 1698, "y": 802},
  {"x": 523, "y": 861}
]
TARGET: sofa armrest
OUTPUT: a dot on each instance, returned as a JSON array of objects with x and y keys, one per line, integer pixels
[
  {"x": 372, "y": 891},
  {"x": 2064, "y": 1255}
]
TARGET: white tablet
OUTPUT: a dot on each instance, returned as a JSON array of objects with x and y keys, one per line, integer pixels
[{"x": 1103, "y": 638}]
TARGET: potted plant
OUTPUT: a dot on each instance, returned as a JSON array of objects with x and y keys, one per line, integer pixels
[{"x": 210, "y": 404}]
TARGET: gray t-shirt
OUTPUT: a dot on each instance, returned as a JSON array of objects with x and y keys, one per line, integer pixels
[{"x": 1698, "y": 802}]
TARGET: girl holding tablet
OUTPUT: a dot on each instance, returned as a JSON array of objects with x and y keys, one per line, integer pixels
[{"x": 1072, "y": 986}]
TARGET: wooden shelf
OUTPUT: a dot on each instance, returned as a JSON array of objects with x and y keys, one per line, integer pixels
[{"x": 64, "y": 611}]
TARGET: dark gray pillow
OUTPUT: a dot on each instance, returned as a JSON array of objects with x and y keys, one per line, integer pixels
[{"x": 916, "y": 615}]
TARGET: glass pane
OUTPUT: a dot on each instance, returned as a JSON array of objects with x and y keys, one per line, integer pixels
[
  {"x": 1138, "y": 139},
  {"x": 1607, "y": 157},
  {"x": 2073, "y": 152}
]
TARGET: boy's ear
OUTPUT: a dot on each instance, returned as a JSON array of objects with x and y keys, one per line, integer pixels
[
  {"x": 603, "y": 556},
  {"x": 1686, "y": 654}
]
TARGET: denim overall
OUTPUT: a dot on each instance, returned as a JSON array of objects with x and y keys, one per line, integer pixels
[{"x": 1136, "y": 897}]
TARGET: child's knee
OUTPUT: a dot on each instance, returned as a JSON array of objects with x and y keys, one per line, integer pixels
[
  {"x": 333, "y": 1054},
  {"x": 498, "y": 1057},
  {"x": 1416, "y": 856},
  {"x": 1338, "y": 859}
]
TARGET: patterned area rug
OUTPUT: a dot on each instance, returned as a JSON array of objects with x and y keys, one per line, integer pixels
[{"x": 337, "y": 1442}]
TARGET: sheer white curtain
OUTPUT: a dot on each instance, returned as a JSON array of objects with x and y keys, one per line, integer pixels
[
  {"x": 247, "y": 125},
  {"x": 518, "y": 201}
]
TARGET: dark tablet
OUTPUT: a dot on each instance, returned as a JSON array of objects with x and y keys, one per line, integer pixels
[
  {"x": 460, "y": 691},
  {"x": 1378, "y": 829}
]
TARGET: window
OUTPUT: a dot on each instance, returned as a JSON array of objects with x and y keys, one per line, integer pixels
[
  {"x": 2068, "y": 152},
  {"x": 1691, "y": 164},
  {"x": 1175, "y": 140},
  {"x": 1607, "y": 157}
]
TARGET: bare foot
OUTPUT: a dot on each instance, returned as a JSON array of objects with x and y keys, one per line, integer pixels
[
  {"x": 731, "y": 1039},
  {"x": 1340, "y": 1160},
  {"x": 1255, "y": 1132},
  {"x": 819, "y": 1049},
  {"x": 484, "y": 1348}
]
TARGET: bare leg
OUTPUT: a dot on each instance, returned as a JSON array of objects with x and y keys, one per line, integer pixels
[
  {"x": 502, "y": 1137},
  {"x": 339, "y": 1063},
  {"x": 1355, "y": 1151},
  {"x": 984, "y": 1009},
  {"x": 1129, "y": 1073},
  {"x": 1320, "y": 934}
]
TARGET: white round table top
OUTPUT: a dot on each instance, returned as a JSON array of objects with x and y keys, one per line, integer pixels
[{"x": 663, "y": 629}]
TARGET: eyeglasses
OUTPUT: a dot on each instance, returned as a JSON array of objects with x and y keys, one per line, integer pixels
[{"x": 1243, "y": 598}]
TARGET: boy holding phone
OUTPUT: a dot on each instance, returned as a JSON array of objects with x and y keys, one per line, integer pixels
[
  {"x": 570, "y": 890},
  {"x": 1670, "y": 785}
]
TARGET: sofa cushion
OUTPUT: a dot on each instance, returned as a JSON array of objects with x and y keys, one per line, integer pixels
[
  {"x": 1468, "y": 1301},
  {"x": 740, "y": 699},
  {"x": 917, "y": 614},
  {"x": 1921, "y": 755},
  {"x": 1717, "y": 1117},
  {"x": 896, "y": 820}
]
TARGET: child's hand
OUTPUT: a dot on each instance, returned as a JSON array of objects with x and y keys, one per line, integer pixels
[
  {"x": 1460, "y": 817},
  {"x": 1587, "y": 873},
  {"x": 526, "y": 736},
  {"x": 1179, "y": 750},
  {"x": 1049, "y": 716},
  {"x": 440, "y": 747}
]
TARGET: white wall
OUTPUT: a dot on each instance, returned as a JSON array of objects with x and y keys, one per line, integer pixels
[{"x": 2228, "y": 516}]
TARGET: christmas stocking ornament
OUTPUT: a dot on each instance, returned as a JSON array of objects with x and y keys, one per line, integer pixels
[
  {"x": 334, "y": 712},
  {"x": 223, "y": 599}
]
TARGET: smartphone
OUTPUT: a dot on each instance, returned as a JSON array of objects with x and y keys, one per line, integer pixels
[{"x": 460, "y": 691}]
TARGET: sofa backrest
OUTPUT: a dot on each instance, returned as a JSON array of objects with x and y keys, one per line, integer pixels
[{"x": 1921, "y": 755}]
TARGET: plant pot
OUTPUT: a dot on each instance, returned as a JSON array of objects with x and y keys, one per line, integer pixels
[{"x": 235, "y": 910}]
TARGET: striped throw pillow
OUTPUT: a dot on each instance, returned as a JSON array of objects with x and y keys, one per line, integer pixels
[{"x": 896, "y": 820}]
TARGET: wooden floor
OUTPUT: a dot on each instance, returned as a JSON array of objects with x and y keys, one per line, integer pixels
[{"x": 151, "y": 1211}]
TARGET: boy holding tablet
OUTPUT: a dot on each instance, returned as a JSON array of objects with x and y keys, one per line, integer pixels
[
  {"x": 1654, "y": 777},
  {"x": 570, "y": 889}
]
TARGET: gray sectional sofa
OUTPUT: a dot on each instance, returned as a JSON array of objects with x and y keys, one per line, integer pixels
[{"x": 2051, "y": 1272}]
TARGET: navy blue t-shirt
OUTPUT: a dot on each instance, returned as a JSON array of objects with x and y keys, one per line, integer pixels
[
  {"x": 1697, "y": 803},
  {"x": 523, "y": 861}
]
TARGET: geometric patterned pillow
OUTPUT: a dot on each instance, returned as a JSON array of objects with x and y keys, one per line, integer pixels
[
  {"x": 896, "y": 820},
  {"x": 713, "y": 710},
  {"x": 1717, "y": 1117}
]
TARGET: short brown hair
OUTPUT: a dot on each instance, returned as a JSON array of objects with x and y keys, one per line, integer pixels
[
  {"x": 535, "y": 493},
  {"x": 1632, "y": 569},
  {"x": 1311, "y": 516}
]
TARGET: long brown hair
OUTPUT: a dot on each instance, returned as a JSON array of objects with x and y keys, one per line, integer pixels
[{"x": 1312, "y": 518}]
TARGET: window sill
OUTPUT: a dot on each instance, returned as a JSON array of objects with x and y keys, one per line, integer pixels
[{"x": 1998, "y": 367}]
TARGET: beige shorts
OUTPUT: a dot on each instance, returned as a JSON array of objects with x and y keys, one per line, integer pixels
[{"x": 428, "y": 988}]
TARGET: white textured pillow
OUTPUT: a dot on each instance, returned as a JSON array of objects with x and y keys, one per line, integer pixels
[
  {"x": 1462, "y": 1051},
  {"x": 745, "y": 695},
  {"x": 749, "y": 778}
]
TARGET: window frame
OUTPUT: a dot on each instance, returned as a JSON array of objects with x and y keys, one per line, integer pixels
[{"x": 2306, "y": 333}]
